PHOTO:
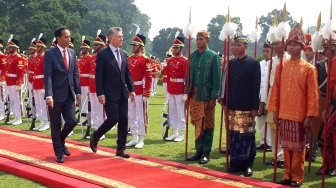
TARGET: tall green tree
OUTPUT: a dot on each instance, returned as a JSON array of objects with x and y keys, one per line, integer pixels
[
  {"x": 26, "y": 19},
  {"x": 164, "y": 40}
]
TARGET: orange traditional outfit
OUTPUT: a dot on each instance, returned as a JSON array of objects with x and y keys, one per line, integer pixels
[{"x": 296, "y": 88}]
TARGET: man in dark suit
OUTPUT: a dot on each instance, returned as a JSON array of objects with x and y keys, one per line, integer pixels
[
  {"x": 62, "y": 88},
  {"x": 114, "y": 86}
]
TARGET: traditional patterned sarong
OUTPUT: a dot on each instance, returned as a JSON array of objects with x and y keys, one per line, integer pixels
[
  {"x": 242, "y": 140},
  {"x": 293, "y": 135},
  {"x": 202, "y": 116}
]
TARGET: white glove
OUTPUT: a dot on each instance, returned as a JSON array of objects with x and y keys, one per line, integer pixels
[
  {"x": 18, "y": 88},
  {"x": 145, "y": 99},
  {"x": 185, "y": 97}
]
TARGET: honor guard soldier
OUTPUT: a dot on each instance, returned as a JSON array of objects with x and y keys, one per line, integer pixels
[
  {"x": 84, "y": 75},
  {"x": 97, "y": 109},
  {"x": 16, "y": 66},
  {"x": 38, "y": 86},
  {"x": 140, "y": 68},
  {"x": 32, "y": 59},
  {"x": 3, "y": 95},
  {"x": 176, "y": 74}
]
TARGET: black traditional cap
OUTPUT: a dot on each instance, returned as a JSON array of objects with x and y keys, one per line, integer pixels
[
  {"x": 100, "y": 39},
  {"x": 86, "y": 44},
  {"x": 267, "y": 44},
  {"x": 240, "y": 38},
  {"x": 178, "y": 42},
  {"x": 1, "y": 43},
  {"x": 42, "y": 42},
  {"x": 14, "y": 43},
  {"x": 139, "y": 40}
]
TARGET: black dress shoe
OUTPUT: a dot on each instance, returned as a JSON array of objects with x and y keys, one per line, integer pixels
[
  {"x": 270, "y": 163},
  {"x": 248, "y": 172},
  {"x": 224, "y": 151},
  {"x": 331, "y": 172},
  {"x": 268, "y": 148},
  {"x": 204, "y": 159},
  {"x": 284, "y": 182},
  {"x": 66, "y": 151},
  {"x": 60, "y": 158},
  {"x": 295, "y": 184},
  {"x": 260, "y": 147},
  {"x": 196, "y": 157},
  {"x": 121, "y": 153},
  {"x": 93, "y": 143},
  {"x": 281, "y": 164}
]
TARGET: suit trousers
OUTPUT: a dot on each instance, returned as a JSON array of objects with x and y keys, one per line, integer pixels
[
  {"x": 116, "y": 112},
  {"x": 66, "y": 110}
]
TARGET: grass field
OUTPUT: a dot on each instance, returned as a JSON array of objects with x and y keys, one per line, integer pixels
[{"x": 156, "y": 147}]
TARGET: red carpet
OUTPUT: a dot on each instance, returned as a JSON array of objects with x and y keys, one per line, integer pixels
[{"x": 33, "y": 155}]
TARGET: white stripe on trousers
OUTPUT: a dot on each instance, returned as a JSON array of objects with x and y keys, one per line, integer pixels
[
  {"x": 176, "y": 112},
  {"x": 136, "y": 116},
  {"x": 40, "y": 104}
]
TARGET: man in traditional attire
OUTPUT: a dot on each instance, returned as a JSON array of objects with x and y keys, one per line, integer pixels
[
  {"x": 243, "y": 104},
  {"x": 322, "y": 67},
  {"x": 176, "y": 73},
  {"x": 204, "y": 87},
  {"x": 296, "y": 92},
  {"x": 279, "y": 51},
  {"x": 308, "y": 50},
  {"x": 261, "y": 118},
  {"x": 140, "y": 68}
]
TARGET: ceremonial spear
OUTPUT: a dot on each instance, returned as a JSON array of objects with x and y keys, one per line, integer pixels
[
  {"x": 281, "y": 33},
  {"x": 327, "y": 33},
  {"x": 316, "y": 47},
  {"x": 269, "y": 38},
  {"x": 255, "y": 36},
  {"x": 188, "y": 32},
  {"x": 229, "y": 29}
]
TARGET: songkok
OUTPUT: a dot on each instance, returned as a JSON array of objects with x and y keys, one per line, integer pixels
[{"x": 203, "y": 34}]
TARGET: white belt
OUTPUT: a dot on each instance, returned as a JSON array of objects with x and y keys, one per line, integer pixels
[
  {"x": 12, "y": 75},
  {"x": 92, "y": 76},
  {"x": 84, "y": 75},
  {"x": 136, "y": 83},
  {"x": 176, "y": 79},
  {"x": 39, "y": 76},
  {"x": 164, "y": 76}
]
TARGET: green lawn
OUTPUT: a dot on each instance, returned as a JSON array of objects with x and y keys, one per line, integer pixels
[
  {"x": 156, "y": 147},
  {"x": 10, "y": 181}
]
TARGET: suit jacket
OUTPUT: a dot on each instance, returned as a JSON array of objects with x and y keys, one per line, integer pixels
[
  {"x": 111, "y": 81},
  {"x": 57, "y": 79}
]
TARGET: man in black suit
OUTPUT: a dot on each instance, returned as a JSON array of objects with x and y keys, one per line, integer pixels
[
  {"x": 62, "y": 88},
  {"x": 114, "y": 86}
]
